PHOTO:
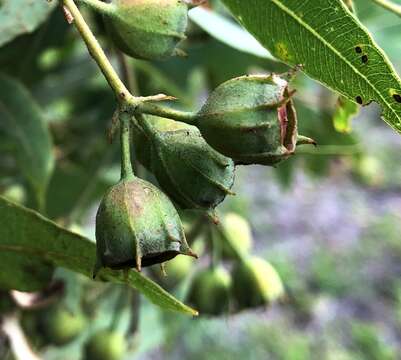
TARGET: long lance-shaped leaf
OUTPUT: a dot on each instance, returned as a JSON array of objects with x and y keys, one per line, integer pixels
[
  {"x": 330, "y": 43},
  {"x": 25, "y": 234}
]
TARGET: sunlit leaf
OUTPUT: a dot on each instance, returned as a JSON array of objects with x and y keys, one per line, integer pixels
[{"x": 330, "y": 43}]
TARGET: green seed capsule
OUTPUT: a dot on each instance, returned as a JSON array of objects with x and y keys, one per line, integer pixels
[
  {"x": 256, "y": 283},
  {"x": 210, "y": 291},
  {"x": 106, "y": 345},
  {"x": 251, "y": 119},
  {"x": 238, "y": 233},
  {"x": 146, "y": 29},
  {"x": 137, "y": 225},
  {"x": 192, "y": 173},
  {"x": 62, "y": 326}
]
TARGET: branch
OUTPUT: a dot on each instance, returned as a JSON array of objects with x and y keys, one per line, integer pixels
[
  {"x": 389, "y": 5},
  {"x": 97, "y": 53}
]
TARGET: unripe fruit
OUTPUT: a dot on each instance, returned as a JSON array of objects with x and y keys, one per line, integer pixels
[
  {"x": 256, "y": 283},
  {"x": 137, "y": 225},
  {"x": 62, "y": 326},
  {"x": 106, "y": 345},
  {"x": 251, "y": 119},
  {"x": 178, "y": 268},
  {"x": 210, "y": 291},
  {"x": 192, "y": 173},
  {"x": 238, "y": 234},
  {"x": 146, "y": 29}
]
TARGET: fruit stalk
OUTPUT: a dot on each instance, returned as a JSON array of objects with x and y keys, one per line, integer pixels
[
  {"x": 98, "y": 5},
  {"x": 97, "y": 52},
  {"x": 125, "y": 131},
  {"x": 149, "y": 108}
]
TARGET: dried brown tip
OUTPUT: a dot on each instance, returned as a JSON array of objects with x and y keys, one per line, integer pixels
[{"x": 303, "y": 140}]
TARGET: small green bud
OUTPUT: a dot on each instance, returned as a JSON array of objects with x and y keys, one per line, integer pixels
[
  {"x": 256, "y": 283},
  {"x": 238, "y": 233},
  {"x": 191, "y": 172},
  {"x": 210, "y": 291},
  {"x": 137, "y": 225},
  {"x": 106, "y": 345},
  {"x": 62, "y": 326},
  {"x": 251, "y": 119},
  {"x": 147, "y": 29}
]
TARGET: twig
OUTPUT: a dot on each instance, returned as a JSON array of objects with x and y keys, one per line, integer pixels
[
  {"x": 389, "y": 5},
  {"x": 97, "y": 53}
]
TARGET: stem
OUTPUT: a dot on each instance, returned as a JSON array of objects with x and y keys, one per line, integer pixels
[
  {"x": 100, "y": 6},
  {"x": 125, "y": 130},
  {"x": 166, "y": 112},
  {"x": 389, "y": 5},
  {"x": 350, "y": 5},
  {"x": 96, "y": 51},
  {"x": 216, "y": 249}
]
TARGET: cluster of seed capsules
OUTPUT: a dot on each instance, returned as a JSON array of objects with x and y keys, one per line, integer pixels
[{"x": 246, "y": 120}]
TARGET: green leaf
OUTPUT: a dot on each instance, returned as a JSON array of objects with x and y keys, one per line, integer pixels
[
  {"x": 19, "y": 17},
  {"x": 27, "y": 234},
  {"x": 332, "y": 46},
  {"x": 345, "y": 111},
  {"x": 23, "y": 122}
]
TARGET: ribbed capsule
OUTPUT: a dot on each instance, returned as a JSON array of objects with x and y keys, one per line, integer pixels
[
  {"x": 251, "y": 119},
  {"x": 146, "y": 29},
  {"x": 191, "y": 172},
  {"x": 137, "y": 225}
]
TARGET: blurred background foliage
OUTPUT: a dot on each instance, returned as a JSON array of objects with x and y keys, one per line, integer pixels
[{"x": 328, "y": 219}]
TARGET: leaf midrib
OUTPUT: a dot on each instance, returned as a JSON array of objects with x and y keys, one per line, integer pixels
[{"x": 322, "y": 40}]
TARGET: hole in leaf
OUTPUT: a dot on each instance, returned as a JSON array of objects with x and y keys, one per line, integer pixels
[
  {"x": 364, "y": 59},
  {"x": 359, "y": 100},
  {"x": 358, "y": 49},
  {"x": 397, "y": 97}
]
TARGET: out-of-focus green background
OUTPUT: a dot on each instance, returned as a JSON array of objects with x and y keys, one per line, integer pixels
[{"x": 328, "y": 219}]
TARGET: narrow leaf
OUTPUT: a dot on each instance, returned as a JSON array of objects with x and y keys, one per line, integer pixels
[
  {"x": 228, "y": 32},
  {"x": 28, "y": 234},
  {"x": 22, "y": 120},
  {"x": 332, "y": 46}
]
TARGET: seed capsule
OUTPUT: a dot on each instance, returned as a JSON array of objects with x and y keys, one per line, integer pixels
[
  {"x": 137, "y": 225},
  {"x": 146, "y": 29},
  {"x": 238, "y": 234},
  {"x": 191, "y": 172},
  {"x": 210, "y": 291},
  {"x": 251, "y": 119},
  {"x": 106, "y": 345},
  {"x": 256, "y": 283},
  {"x": 62, "y": 326}
]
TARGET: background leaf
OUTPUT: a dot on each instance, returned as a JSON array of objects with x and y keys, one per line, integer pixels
[
  {"x": 22, "y": 120},
  {"x": 227, "y": 32},
  {"x": 21, "y": 16},
  {"x": 345, "y": 111},
  {"x": 331, "y": 45},
  {"x": 27, "y": 234}
]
